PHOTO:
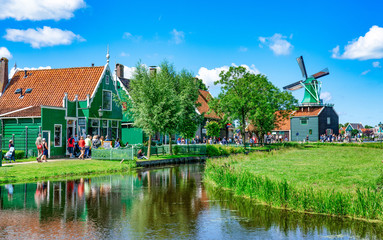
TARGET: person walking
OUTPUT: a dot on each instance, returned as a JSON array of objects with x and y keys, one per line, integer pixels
[
  {"x": 81, "y": 145},
  {"x": 71, "y": 146},
  {"x": 117, "y": 143},
  {"x": 39, "y": 147},
  {"x": 45, "y": 150},
  {"x": 88, "y": 144}
]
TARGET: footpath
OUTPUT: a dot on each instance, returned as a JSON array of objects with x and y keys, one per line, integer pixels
[{"x": 35, "y": 162}]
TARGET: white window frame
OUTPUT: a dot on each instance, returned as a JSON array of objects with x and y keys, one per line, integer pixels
[
  {"x": 61, "y": 135},
  {"x": 111, "y": 100},
  {"x": 107, "y": 79},
  {"x": 79, "y": 126},
  {"x": 328, "y": 120}
]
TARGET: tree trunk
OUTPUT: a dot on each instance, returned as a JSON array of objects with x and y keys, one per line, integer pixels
[
  {"x": 149, "y": 145},
  {"x": 243, "y": 132},
  {"x": 170, "y": 145}
]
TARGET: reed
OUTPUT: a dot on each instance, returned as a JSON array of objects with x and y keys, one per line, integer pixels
[{"x": 361, "y": 202}]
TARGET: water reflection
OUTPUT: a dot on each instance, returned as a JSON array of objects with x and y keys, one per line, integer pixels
[{"x": 163, "y": 203}]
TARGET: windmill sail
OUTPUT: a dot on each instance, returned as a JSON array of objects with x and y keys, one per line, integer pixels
[
  {"x": 294, "y": 86},
  {"x": 322, "y": 73},
  {"x": 302, "y": 66}
]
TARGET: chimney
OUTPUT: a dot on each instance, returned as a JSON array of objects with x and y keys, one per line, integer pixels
[
  {"x": 25, "y": 73},
  {"x": 120, "y": 70},
  {"x": 153, "y": 70},
  {"x": 3, "y": 74},
  {"x": 92, "y": 64}
]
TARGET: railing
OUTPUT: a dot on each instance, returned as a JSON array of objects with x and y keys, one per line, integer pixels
[{"x": 129, "y": 152}]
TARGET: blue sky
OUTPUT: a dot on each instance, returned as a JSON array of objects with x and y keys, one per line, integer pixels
[{"x": 208, "y": 36}]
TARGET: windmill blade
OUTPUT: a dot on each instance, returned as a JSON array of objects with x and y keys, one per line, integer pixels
[
  {"x": 294, "y": 86},
  {"x": 302, "y": 66},
  {"x": 322, "y": 73}
]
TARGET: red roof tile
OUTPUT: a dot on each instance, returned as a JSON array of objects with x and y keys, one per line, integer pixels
[
  {"x": 48, "y": 87},
  {"x": 203, "y": 99},
  {"x": 31, "y": 111},
  {"x": 282, "y": 124},
  {"x": 307, "y": 111}
]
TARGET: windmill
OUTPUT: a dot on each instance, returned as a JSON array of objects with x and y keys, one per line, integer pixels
[{"x": 311, "y": 84}]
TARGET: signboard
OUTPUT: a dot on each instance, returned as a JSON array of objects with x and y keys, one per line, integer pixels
[
  {"x": 203, "y": 130},
  {"x": 107, "y": 144}
]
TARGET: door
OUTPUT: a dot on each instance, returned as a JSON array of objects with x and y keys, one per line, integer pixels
[{"x": 47, "y": 136}]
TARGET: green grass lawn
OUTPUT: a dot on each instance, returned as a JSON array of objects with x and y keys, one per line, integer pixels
[
  {"x": 335, "y": 180},
  {"x": 51, "y": 170},
  {"x": 342, "y": 168}
]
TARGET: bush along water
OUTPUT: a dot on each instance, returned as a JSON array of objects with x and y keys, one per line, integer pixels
[{"x": 362, "y": 203}]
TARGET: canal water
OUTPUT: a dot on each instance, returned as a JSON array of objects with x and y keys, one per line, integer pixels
[{"x": 161, "y": 203}]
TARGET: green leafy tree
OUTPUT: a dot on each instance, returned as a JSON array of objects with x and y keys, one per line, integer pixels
[
  {"x": 354, "y": 132},
  {"x": 146, "y": 102},
  {"x": 200, "y": 84},
  {"x": 213, "y": 129},
  {"x": 251, "y": 98},
  {"x": 368, "y": 126},
  {"x": 188, "y": 93}
]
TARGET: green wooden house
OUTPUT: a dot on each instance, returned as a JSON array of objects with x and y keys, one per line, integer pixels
[{"x": 58, "y": 103}]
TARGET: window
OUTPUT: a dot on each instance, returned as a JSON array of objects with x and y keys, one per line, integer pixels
[
  {"x": 304, "y": 121},
  {"x": 82, "y": 127},
  {"x": 107, "y": 79},
  {"x": 58, "y": 135},
  {"x": 328, "y": 120},
  {"x": 107, "y": 100},
  {"x": 114, "y": 129},
  {"x": 95, "y": 122},
  {"x": 310, "y": 131}
]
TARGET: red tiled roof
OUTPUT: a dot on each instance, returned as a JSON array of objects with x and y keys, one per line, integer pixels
[
  {"x": 31, "y": 111},
  {"x": 282, "y": 124},
  {"x": 203, "y": 100},
  {"x": 48, "y": 87},
  {"x": 307, "y": 111}
]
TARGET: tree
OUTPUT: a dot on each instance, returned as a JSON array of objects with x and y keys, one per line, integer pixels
[
  {"x": 368, "y": 126},
  {"x": 200, "y": 84},
  {"x": 251, "y": 98},
  {"x": 354, "y": 132},
  {"x": 188, "y": 93},
  {"x": 213, "y": 129},
  {"x": 146, "y": 101}
]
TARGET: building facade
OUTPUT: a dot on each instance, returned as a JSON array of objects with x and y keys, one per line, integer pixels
[{"x": 58, "y": 103}]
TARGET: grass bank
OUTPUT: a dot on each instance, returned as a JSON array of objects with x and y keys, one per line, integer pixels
[
  {"x": 328, "y": 179},
  {"x": 55, "y": 170}
]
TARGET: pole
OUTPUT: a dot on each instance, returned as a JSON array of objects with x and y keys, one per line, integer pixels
[{"x": 26, "y": 141}]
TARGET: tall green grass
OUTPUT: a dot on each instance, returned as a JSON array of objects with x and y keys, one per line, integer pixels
[{"x": 363, "y": 203}]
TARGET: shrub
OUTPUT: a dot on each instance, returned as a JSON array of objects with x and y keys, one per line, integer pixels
[
  {"x": 211, "y": 151},
  {"x": 176, "y": 149},
  {"x": 19, "y": 154}
]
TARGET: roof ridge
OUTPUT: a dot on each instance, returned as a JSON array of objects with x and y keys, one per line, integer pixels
[{"x": 57, "y": 68}]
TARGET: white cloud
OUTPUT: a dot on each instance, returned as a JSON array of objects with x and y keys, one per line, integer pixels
[
  {"x": 39, "y": 9},
  {"x": 177, "y": 36},
  {"x": 42, "y": 37},
  {"x": 209, "y": 76},
  {"x": 365, "y": 72},
  {"x": 369, "y": 46},
  {"x": 326, "y": 96},
  {"x": 243, "y": 49},
  {"x": 376, "y": 65},
  {"x": 4, "y": 52},
  {"x": 124, "y": 54},
  {"x": 128, "y": 35},
  {"x": 128, "y": 72},
  {"x": 277, "y": 43}
]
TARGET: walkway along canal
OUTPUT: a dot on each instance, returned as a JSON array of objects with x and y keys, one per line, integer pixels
[{"x": 156, "y": 203}]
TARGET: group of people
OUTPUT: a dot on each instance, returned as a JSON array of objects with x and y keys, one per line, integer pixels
[
  {"x": 42, "y": 149},
  {"x": 82, "y": 147}
]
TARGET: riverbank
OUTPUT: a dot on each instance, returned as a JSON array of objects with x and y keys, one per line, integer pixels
[
  {"x": 330, "y": 180},
  {"x": 21, "y": 173}
]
